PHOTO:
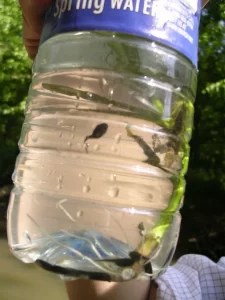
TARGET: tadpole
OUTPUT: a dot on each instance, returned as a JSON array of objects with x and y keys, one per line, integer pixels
[
  {"x": 73, "y": 272},
  {"x": 98, "y": 132}
]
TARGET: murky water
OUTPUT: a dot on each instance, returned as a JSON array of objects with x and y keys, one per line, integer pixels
[{"x": 20, "y": 281}]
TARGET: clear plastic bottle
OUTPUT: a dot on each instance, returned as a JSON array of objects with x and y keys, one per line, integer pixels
[{"x": 99, "y": 180}]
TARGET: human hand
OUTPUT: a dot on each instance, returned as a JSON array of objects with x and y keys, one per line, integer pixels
[
  {"x": 33, "y": 12},
  {"x": 33, "y": 16}
]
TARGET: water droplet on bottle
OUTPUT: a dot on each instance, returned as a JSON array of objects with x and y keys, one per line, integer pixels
[
  {"x": 86, "y": 189},
  {"x": 81, "y": 175},
  {"x": 113, "y": 177},
  {"x": 89, "y": 96},
  {"x": 88, "y": 179},
  {"x": 110, "y": 92},
  {"x": 114, "y": 149},
  {"x": 118, "y": 138},
  {"x": 60, "y": 133},
  {"x": 113, "y": 193},
  {"x": 69, "y": 144},
  {"x": 104, "y": 82},
  {"x": 80, "y": 213},
  {"x": 96, "y": 147},
  {"x": 34, "y": 137},
  {"x": 110, "y": 106}
]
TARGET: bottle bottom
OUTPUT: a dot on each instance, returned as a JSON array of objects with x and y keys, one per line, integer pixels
[{"x": 88, "y": 255}]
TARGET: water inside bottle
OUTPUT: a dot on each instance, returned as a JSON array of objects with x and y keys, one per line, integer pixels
[{"x": 101, "y": 165}]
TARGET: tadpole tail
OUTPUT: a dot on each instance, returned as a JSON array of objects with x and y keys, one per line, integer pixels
[
  {"x": 87, "y": 138},
  {"x": 73, "y": 272}
]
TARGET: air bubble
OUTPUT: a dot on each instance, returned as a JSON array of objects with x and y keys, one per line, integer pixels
[
  {"x": 113, "y": 193},
  {"x": 104, "y": 85},
  {"x": 110, "y": 92},
  {"x": 88, "y": 179},
  {"x": 113, "y": 177},
  {"x": 89, "y": 95},
  {"x": 86, "y": 189},
  {"x": 104, "y": 82},
  {"x": 80, "y": 213}
]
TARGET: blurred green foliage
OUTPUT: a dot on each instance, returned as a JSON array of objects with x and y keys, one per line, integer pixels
[
  {"x": 203, "y": 224},
  {"x": 14, "y": 83}
]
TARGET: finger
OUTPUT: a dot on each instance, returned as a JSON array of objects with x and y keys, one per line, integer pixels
[
  {"x": 33, "y": 12},
  {"x": 204, "y": 2}
]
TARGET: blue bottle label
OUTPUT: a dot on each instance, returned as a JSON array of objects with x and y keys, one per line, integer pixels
[{"x": 174, "y": 23}]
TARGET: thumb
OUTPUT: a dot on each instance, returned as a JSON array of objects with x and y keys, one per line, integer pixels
[{"x": 33, "y": 12}]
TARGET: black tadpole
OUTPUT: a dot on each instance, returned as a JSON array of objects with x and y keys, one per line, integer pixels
[
  {"x": 126, "y": 262},
  {"x": 73, "y": 272},
  {"x": 98, "y": 132}
]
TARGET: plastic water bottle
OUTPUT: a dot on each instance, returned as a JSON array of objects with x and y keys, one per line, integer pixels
[{"x": 99, "y": 180}]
